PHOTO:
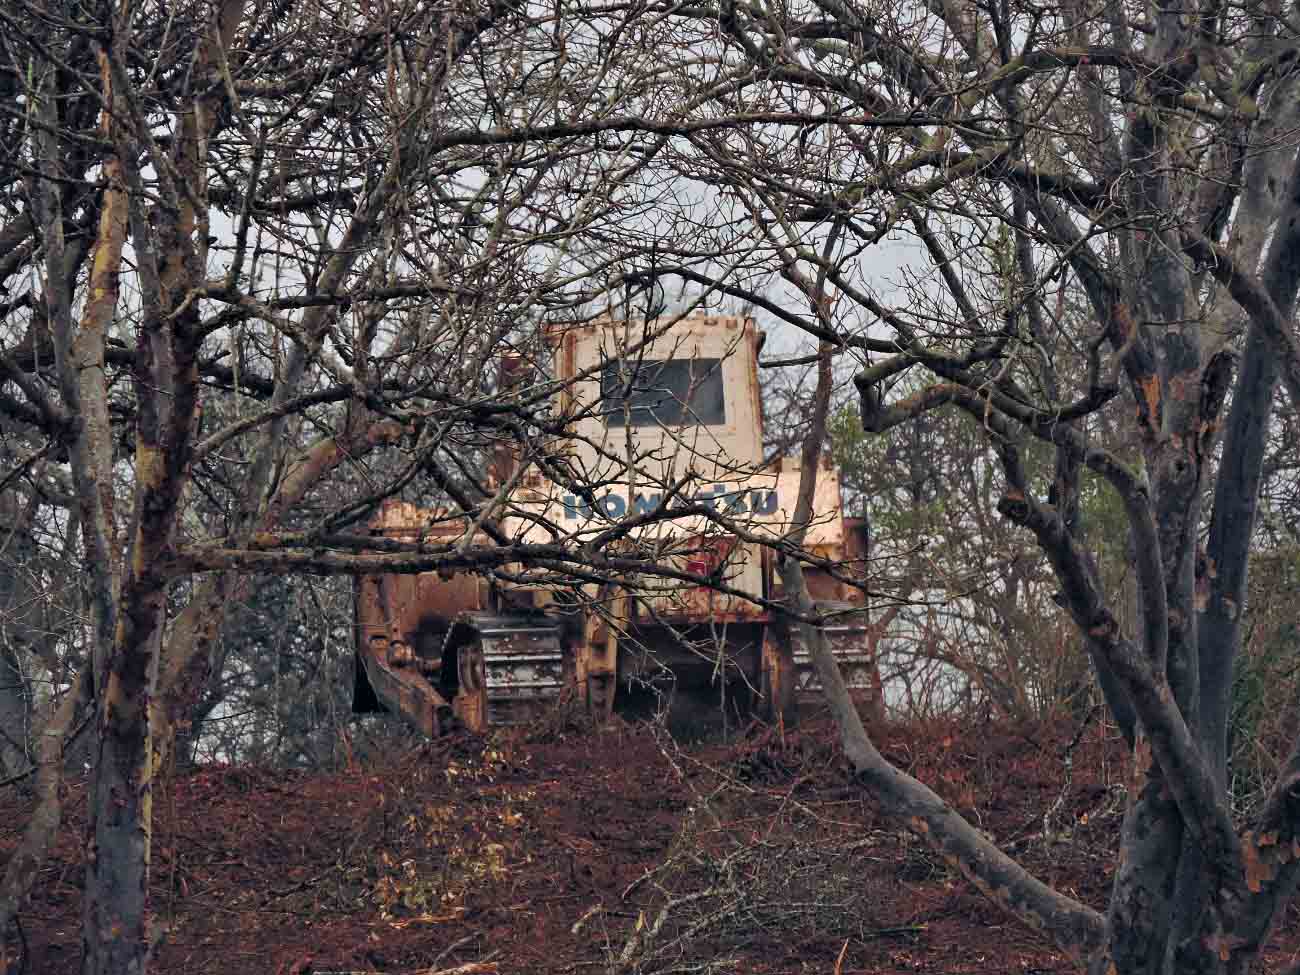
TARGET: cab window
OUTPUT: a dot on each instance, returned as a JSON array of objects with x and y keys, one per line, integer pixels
[{"x": 672, "y": 392}]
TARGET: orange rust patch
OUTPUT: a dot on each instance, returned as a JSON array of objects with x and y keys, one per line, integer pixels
[
  {"x": 1127, "y": 330},
  {"x": 1184, "y": 386},
  {"x": 1259, "y": 868},
  {"x": 1150, "y": 389}
]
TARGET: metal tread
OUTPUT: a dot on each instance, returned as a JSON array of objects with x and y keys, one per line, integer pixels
[
  {"x": 522, "y": 661},
  {"x": 848, "y": 646}
]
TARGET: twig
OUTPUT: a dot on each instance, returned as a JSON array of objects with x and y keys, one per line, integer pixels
[
  {"x": 67, "y": 743},
  {"x": 456, "y": 944},
  {"x": 839, "y": 961},
  {"x": 1067, "y": 757}
]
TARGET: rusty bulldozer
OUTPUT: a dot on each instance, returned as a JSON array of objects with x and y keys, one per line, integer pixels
[{"x": 681, "y": 398}]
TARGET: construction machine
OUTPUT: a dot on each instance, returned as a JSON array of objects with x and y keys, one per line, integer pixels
[{"x": 662, "y": 416}]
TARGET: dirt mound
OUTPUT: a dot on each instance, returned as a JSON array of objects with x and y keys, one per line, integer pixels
[{"x": 568, "y": 850}]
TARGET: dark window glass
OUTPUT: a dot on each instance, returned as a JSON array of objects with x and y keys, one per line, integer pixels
[{"x": 673, "y": 392}]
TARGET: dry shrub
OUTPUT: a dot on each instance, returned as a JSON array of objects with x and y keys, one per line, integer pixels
[
  {"x": 1265, "y": 681},
  {"x": 743, "y": 871}
]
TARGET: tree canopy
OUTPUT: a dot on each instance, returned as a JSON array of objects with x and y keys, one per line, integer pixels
[{"x": 260, "y": 261}]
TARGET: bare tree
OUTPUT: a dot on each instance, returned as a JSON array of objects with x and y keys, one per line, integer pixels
[
  {"x": 261, "y": 262},
  {"x": 252, "y": 249},
  {"x": 964, "y": 616},
  {"x": 1139, "y": 161}
]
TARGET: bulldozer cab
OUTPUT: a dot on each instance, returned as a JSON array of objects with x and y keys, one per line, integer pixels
[{"x": 666, "y": 417}]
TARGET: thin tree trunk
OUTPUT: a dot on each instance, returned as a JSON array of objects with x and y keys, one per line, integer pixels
[
  {"x": 38, "y": 835},
  {"x": 1075, "y": 927},
  {"x": 17, "y": 607}
]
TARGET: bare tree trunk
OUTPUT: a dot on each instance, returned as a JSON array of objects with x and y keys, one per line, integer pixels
[
  {"x": 15, "y": 716},
  {"x": 17, "y": 607},
  {"x": 24, "y": 863},
  {"x": 1078, "y": 929}
]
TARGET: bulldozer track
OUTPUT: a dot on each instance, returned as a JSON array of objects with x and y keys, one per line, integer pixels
[{"x": 519, "y": 660}]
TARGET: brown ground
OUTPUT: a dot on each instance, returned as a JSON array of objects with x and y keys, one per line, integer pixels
[{"x": 564, "y": 850}]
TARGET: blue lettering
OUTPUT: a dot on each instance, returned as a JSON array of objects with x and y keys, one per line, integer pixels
[
  {"x": 716, "y": 496},
  {"x": 643, "y": 505},
  {"x": 573, "y": 508},
  {"x": 762, "y": 502},
  {"x": 709, "y": 496}
]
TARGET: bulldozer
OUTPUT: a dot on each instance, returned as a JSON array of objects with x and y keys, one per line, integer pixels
[{"x": 665, "y": 414}]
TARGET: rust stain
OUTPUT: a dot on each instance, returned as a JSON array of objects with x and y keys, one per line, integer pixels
[
  {"x": 1127, "y": 327},
  {"x": 1150, "y": 389},
  {"x": 1185, "y": 385},
  {"x": 1258, "y": 868}
]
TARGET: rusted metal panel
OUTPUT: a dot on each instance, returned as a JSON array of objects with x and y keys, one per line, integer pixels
[
  {"x": 823, "y": 586},
  {"x": 407, "y": 606},
  {"x": 778, "y": 671},
  {"x": 436, "y": 597},
  {"x": 401, "y": 624},
  {"x": 737, "y": 566},
  {"x": 856, "y": 544},
  {"x": 399, "y": 681},
  {"x": 406, "y": 520}
]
